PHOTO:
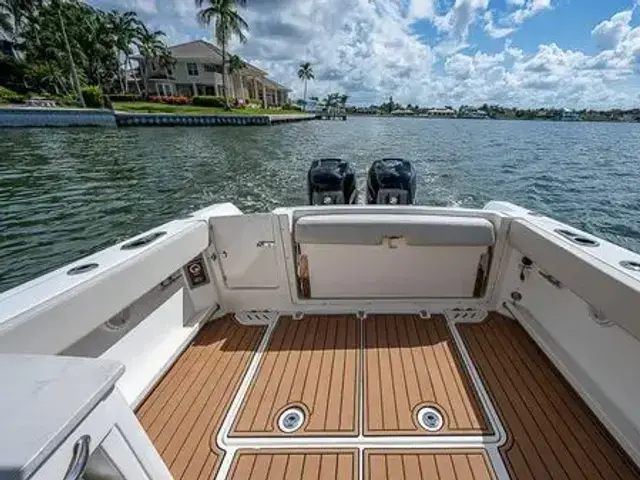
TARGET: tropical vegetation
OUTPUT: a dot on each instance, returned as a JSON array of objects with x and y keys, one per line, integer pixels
[
  {"x": 74, "y": 53},
  {"x": 227, "y": 23},
  {"x": 335, "y": 101},
  {"x": 65, "y": 46},
  {"x": 305, "y": 73}
]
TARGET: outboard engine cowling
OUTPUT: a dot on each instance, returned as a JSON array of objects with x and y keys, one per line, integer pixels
[
  {"x": 331, "y": 181},
  {"x": 391, "y": 181}
]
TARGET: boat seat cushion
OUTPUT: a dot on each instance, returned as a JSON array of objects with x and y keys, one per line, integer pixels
[{"x": 373, "y": 229}]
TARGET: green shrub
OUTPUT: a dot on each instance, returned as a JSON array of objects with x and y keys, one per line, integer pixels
[
  {"x": 209, "y": 101},
  {"x": 289, "y": 106},
  {"x": 93, "y": 97},
  {"x": 9, "y": 96},
  {"x": 125, "y": 97},
  {"x": 69, "y": 100}
]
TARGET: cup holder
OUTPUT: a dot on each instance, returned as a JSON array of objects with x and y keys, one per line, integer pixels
[
  {"x": 576, "y": 238},
  {"x": 631, "y": 265},
  {"x": 587, "y": 242},
  {"x": 80, "y": 269},
  {"x": 142, "y": 241}
]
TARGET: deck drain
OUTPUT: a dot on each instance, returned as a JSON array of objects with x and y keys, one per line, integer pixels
[
  {"x": 291, "y": 420},
  {"x": 430, "y": 419}
]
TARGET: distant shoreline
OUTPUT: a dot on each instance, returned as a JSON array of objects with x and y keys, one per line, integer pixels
[{"x": 587, "y": 120}]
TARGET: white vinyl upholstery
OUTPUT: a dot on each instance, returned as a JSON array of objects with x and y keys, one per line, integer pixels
[{"x": 373, "y": 229}]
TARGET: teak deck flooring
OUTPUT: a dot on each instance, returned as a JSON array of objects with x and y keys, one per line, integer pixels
[
  {"x": 551, "y": 432},
  {"x": 187, "y": 407},
  {"x": 427, "y": 465},
  {"x": 410, "y": 363},
  {"x": 314, "y": 364},
  {"x": 295, "y": 464},
  {"x": 406, "y": 362}
]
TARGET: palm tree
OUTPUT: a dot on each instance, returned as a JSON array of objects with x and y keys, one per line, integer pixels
[
  {"x": 18, "y": 11},
  {"x": 227, "y": 23},
  {"x": 305, "y": 73},
  {"x": 6, "y": 26},
  {"x": 343, "y": 100},
  {"x": 236, "y": 65},
  {"x": 72, "y": 64},
  {"x": 152, "y": 48},
  {"x": 125, "y": 28}
]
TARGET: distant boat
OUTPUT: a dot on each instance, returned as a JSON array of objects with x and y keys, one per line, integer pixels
[
  {"x": 570, "y": 116},
  {"x": 475, "y": 114},
  {"x": 402, "y": 113}
]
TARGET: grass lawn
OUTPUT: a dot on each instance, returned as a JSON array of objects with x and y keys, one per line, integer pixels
[{"x": 149, "y": 107}]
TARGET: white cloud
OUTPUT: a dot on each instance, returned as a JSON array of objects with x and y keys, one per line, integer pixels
[
  {"x": 461, "y": 16},
  {"x": 529, "y": 9},
  {"x": 355, "y": 45},
  {"x": 609, "y": 33},
  {"x": 422, "y": 9},
  {"x": 493, "y": 30},
  {"x": 507, "y": 23},
  {"x": 144, "y": 6}
]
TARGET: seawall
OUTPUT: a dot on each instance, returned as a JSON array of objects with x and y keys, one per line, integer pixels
[
  {"x": 55, "y": 117},
  {"x": 73, "y": 117},
  {"x": 125, "y": 119}
]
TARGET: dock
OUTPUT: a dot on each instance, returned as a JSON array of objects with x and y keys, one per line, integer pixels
[
  {"x": 331, "y": 116},
  {"x": 126, "y": 119}
]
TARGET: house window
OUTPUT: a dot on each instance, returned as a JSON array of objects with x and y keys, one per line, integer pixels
[
  {"x": 192, "y": 69},
  {"x": 211, "y": 68}
]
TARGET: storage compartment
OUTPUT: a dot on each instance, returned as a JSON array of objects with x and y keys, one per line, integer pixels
[
  {"x": 392, "y": 256},
  {"x": 246, "y": 250}
]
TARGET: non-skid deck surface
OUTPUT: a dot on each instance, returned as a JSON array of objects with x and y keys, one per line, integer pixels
[
  {"x": 314, "y": 364},
  {"x": 412, "y": 362},
  {"x": 295, "y": 465},
  {"x": 406, "y": 362},
  {"x": 187, "y": 407},
  {"x": 427, "y": 465},
  {"x": 551, "y": 432}
]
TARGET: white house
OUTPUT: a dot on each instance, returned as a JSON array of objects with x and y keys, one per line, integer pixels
[
  {"x": 198, "y": 71},
  {"x": 439, "y": 113}
]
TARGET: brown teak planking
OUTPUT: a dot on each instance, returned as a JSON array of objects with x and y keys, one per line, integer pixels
[
  {"x": 411, "y": 362},
  {"x": 183, "y": 413},
  {"x": 311, "y": 363},
  {"x": 552, "y": 434},
  {"x": 427, "y": 464},
  {"x": 295, "y": 465}
]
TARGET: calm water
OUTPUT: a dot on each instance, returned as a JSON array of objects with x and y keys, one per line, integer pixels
[{"x": 67, "y": 193}]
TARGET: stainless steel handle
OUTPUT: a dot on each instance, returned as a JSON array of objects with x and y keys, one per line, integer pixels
[{"x": 80, "y": 459}]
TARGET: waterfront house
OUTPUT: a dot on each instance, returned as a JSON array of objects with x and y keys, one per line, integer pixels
[
  {"x": 198, "y": 71},
  {"x": 439, "y": 113},
  {"x": 402, "y": 112}
]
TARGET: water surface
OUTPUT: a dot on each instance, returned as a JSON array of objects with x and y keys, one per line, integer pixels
[{"x": 65, "y": 193}]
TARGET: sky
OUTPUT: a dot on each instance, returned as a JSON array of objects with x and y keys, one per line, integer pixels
[{"x": 521, "y": 53}]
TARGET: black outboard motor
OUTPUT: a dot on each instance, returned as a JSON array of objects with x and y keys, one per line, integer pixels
[
  {"x": 331, "y": 181},
  {"x": 391, "y": 181}
]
